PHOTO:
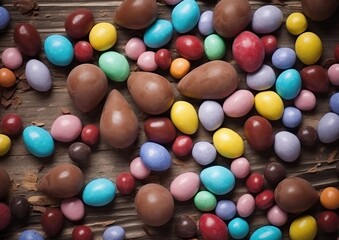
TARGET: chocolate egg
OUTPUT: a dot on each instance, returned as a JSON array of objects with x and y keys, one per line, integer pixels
[
  {"x": 62, "y": 181},
  {"x": 79, "y": 23},
  {"x": 27, "y": 39},
  {"x": 315, "y": 78},
  {"x": 87, "y": 85},
  {"x": 319, "y": 10},
  {"x": 118, "y": 123},
  {"x": 231, "y": 17},
  {"x": 213, "y": 80},
  {"x": 295, "y": 195},
  {"x": 5, "y": 182},
  {"x": 151, "y": 92},
  {"x": 259, "y": 133},
  {"x": 154, "y": 204},
  {"x": 136, "y": 14}
]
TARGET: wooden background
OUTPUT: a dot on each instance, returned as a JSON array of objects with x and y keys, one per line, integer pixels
[{"x": 316, "y": 164}]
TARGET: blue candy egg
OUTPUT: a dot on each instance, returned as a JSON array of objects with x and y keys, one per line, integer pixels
[
  {"x": 158, "y": 34},
  {"x": 211, "y": 115},
  {"x": 284, "y": 58},
  {"x": 217, "y": 179},
  {"x": 185, "y": 16},
  {"x": 99, "y": 192},
  {"x": 334, "y": 103},
  {"x": 58, "y": 50},
  {"x": 225, "y": 209},
  {"x": 267, "y": 19},
  {"x": 155, "y": 157},
  {"x": 238, "y": 228},
  {"x": 38, "y": 75},
  {"x": 4, "y": 18},
  {"x": 288, "y": 84},
  {"x": 38, "y": 141},
  {"x": 204, "y": 152},
  {"x": 292, "y": 117},
  {"x": 267, "y": 233},
  {"x": 328, "y": 130},
  {"x": 205, "y": 24},
  {"x": 30, "y": 235},
  {"x": 263, "y": 79},
  {"x": 114, "y": 233},
  {"x": 287, "y": 146}
]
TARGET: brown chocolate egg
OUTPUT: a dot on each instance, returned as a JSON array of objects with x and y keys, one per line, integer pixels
[
  {"x": 118, "y": 123},
  {"x": 79, "y": 23},
  {"x": 319, "y": 10},
  {"x": 231, "y": 17},
  {"x": 87, "y": 85},
  {"x": 213, "y": 80},
  {"x": 160, "y": 130},
  {"x": 62, "y": 181},
  {"x": 259, "y": 133},
  {"x": 136, "y": 14},
  {"x": 315, "y": 78},
  {"x": 151, "y": 92},
  {"x": 27, "y": 39},
  {"x": 5, "y": 182},
  {"x": 295, "y": 195},
  {"x": 154, "y": 204}
]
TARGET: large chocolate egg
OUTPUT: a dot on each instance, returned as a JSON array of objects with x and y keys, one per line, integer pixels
[
  {"x": 62, "y": 181},
  {"x": 154, "y": 204},
  {"x": 118, "y": 123},
  {"x": 151, "y": 92},
  {"x": 213, "y": 80},
  {"x": 295, "y": 195},
  {"x": 319, "y": 10},
  {"x": 87, "y": 85},
  {"x": 5, "y": 182},
  {"x": 136, "y": 14},
  {"x": 27, "y": 39},
  {"x": 231, "y": 17}
]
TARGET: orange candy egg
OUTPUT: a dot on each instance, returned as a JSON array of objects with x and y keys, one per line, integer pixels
[
  {"x": 7, "y": 77},
  {"x": 329, "y": 198}
]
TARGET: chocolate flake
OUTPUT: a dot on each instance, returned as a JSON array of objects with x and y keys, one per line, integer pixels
[
  {"x": 38, "y": 123},
  {"x": 65, "y": 110},
  {"x": 28, "y": 7},
  {"x": 29, "y": 181}
]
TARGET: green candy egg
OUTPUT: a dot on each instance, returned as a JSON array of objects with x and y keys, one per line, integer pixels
[
  {"x": 115, "y": 66},
  {"x": 205, "y": 201},
  {"x": 215, "y": 47}
]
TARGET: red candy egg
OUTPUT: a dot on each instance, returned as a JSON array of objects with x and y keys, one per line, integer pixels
[
  {"x": 125, "y": 183},
  {"x": 82, "y": 232},
  {"x": 264, "y": 199},
  {"x": 90, "y": 134},
  {"x": 328, "y": 221},
  {"x": 5, "y": 216},
  {"x": 163, "y": 58},
  {"x": 52, "y": 221},
  {"x": 212, "y": 227},
  {"x": 182, "y": 145},
  {"x": 189, "y": 47},
  {"x": 160, "y": 130},
  {"x": 255, "y": 182},
  {"x": 270, "y": 43},
  {"x": 11, "y": 124},
  {"x": 83, "y": 51}
]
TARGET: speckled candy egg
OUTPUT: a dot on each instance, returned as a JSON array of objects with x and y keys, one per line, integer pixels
[
  {"x": 58, "y": 50},
  {"x": 284, "y": 58},
  {"x": 158, "y": 34},
  {"x": 327, "y": 129},
  {"x": 66, "y": 128},
  {"x": 99, "y": 192},
  {"x": 205, "y": 24},
  {"x": 266, "y": 233},
  {"x": 184, "y": 117},
  {"x": 155, "y": 157},
  {"x": 292, "y": 117},
  {"x": 185, "y": 186},
  {"x": 287, "y": 146},
  {"x": 185, "y": 16},
  {"x": 262, "y": 79},
  {"x": 288, "y": 84},
  {"x": 267, "y": 19},
  {"x": 38, "y": 75},
  {"x": 228, "y": 143},
  {"x": 38, "y": 141},
  {"x": 204, "y": 152},
  {"x": 217, "y": 179},
  {"x": 238, "y": 104},
  {"x": 211, "y": 115}
]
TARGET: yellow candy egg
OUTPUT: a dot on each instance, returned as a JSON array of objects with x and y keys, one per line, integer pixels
[
  {"x": 296, "y": 23},
  {"x": 184, "y": 117},
  {"x": 103, "y": 36},
  {"x": 269, "y": 105},
  {"x": 303, "y": 228},
  {"x": 179, "y": 68},
  {"x": 228, "y": 143},
  {"x": 308, "y": 48},
  {"x": 5, "y": 144}
]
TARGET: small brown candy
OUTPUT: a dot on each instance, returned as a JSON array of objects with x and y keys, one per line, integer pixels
[
  {"x": 307, "y": 135},
  {"x": 274, "y": 173},
  {"x": 5, "y": 182},
  {"x": 20, "y": 208},
  {"x": 79, "y": 153},
  {"x": 185, "y": 227}
]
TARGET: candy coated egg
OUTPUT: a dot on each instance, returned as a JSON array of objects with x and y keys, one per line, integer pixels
[
  {"x": 205, "y": 201},
  {"x": 5, "y": 144},
  {"x": 11, "y": 58},
  {"x": 328, "y": 221},
  {"x": 30, "y": 235},
  {"x": 138, "y": 169},
  {"x": 211, "y": 115},
  {"x": 155, "y": 157},
  {"x": 158, "y": 34},
  {"x": 185, "y": 16},
  {"x": 38, "y": 141},
  {"x": 217, "y": 179},
  {"x": 5, "y": 216},
  {"x": 82, "y": 232},
  {"x": 327, "y": 129},
  {"x": 159, "y": 130},
  {"x": 103, "y": 36},
  {"x": 163, "y": 58},
  {"x": 66, "y": 128},
  {"x": 308, "y": 48},
  {"x": 240, "y": 167},
  {"x": 27, "y": 39},
  {"x": 125, "y": 183},
  {"x": 179, "y": 67},
  {"x": 58, "y": 50},
  {"x": 38, "y": 75},
  {"x": 287, "y": 146},
  {"x": 205, "y": 24},
  {"x": 303, "y": 228},
  {"x": 72, "y": 208},
  {"x": 7, "y": 78},
  {"x": 334, "y": 103},
  {"x": 305, "y": 100},
  {"x": 266, "y": 233},
  {"x": 276, "y": 216},
  {"x": 114, "y": 233},
  {"x": 215, "y": 47},
  {"x": 228, "y": 143},
  {"x": 182, "y": 145},
  {"x": 245, "y": 205},
  {"x": 333, "y": 74},
  {"x": 115, "y": 66},
  {"x": 269, "y": 105},
  {"x": 267, "y": 19},
  {"x": 288, "y": 84},
  {"x": 329, "y": 198},
  {"x": 184, "y": 117},
  {"x": 255, "y": 182},
  {"x": 204, "y": 152},
  {"x": 238, "y": 228},
  {"x": 307, "y": 135},
  {"x": 185, "y": 227},
  {"x": 134, "y": 47},
  {"x": 284, "y": 58},
  {"x": 5, "y": 18},
  {"x": 90, "y": 134},
  {"x": 238, "y": 104},
  {"x": 262, "y": 79},
  {"x": 264, "y": 199},
  {"x": 189, "y": 47},
  {"x": 185, "y": 186},
  {"x": 79, "y": 153},
  {"x": 270, "y": 43},
  {"x": 99, "y": 192},
  {"x": 292, "y": 117},
  {"x": 146, "y": 61},
  {"x": 212, "y": 227},
  {"x": 172, "y": 2},
  {"x": 83, "y": 51},
  {"x": 79, "y": 23},
  {"x": 225, "y": 209},
  {"x": 11, "y": 124},
  {"x": 274, "y": 173},
  {"x": 315, "y": 78},
  {"x": 296, "y": 23}
]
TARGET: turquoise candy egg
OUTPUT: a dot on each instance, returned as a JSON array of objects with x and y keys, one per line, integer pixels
[
  {"x": 288, "y": 84},
  {"x": 217, "y": 179},
  {"x": 185, "y": 16},
  {"x": 38, "y": 141},
  {"x": 115, "y": 66},
  {"x": 99, "y": 192},
  {"x": 158, "y": 34},
  {"x": 238, "y": 228},
  {"x": 58, "y": 50},
  {"x": 155, "y": 157},
  {"x": 266, "y": 233}
]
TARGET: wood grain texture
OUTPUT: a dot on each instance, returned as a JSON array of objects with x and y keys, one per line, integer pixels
[{"x": 106, "y": 162}]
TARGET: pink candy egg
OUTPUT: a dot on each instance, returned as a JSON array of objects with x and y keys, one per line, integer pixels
[
  {"x": 276, "y": 216},
  {"x": 146, "y": 61},
  {"x": 185, "y": 186},
  {"x": 73, "y": 208},
  {"x": 134, "y": 48},
  {"x": 305, "y": 101},
  {"x": 11, "y": 58},
  {"x": 138, "y": 169},
  {"x": 66, "y": 128},
  {"x": 333, "y": 74},
  {"x": 245, "y": 205},
  {"x": 239, "y": 103},
  {"x": 240, "y": 167}
]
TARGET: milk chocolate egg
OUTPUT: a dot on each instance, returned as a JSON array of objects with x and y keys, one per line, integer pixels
[
  {"x": 118, "y": 123},
  {"x": 87, "y": 85},
  {"x": 319, "y": 10},
  {"x": 151, "y": 92},
  {"x": 213, "y": 80},
  {"x": 295, "y": 195},
  {"x": 5, "y": 182},
  {"x": 136, "y": 14},
  {"x": 27, "y": 39},
  {"x": 62, "y": 181},
  {"x": 231, "y": 17}
]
